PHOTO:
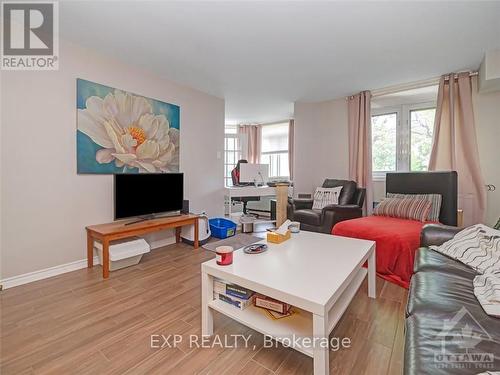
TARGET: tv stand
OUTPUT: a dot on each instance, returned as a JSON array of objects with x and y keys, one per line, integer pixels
[{"x": 119, "y": 229}]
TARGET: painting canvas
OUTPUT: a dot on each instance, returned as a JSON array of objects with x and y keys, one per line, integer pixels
[{"x": 121, "y": 132}]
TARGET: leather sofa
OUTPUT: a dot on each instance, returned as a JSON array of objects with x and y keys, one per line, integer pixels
[
  {"x": 446, "y": 329},
  {"x": 350, "y": 206}
]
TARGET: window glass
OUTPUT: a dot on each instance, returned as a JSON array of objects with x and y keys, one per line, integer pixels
[
  {"x": 422, "y": 129},
  {"x": 275, "y": 138},
  {"x": 384, "y": 153},
  {"x": 274, "y": 149},
  {"x": 232, "y": 153}
]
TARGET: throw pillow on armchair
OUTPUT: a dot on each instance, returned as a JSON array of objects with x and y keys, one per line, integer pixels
[{"x": 326, "y": 196}]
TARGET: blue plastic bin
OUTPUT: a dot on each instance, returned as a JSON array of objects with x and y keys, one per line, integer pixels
[{"x": 222, "y": 228}]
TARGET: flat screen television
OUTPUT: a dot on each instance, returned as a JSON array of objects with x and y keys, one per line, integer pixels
[{"x": 148, "y": 194}]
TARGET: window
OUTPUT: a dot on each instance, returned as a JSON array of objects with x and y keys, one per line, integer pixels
[
  {"x": 233, "y": 151},
  {"x": 402, "y": 138},
  {"x": 274, "y": 150}
]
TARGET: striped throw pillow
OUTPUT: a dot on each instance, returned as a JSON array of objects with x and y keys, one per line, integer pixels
[
  {"x": 412, "y": 209},
  {"x": 326, "y": 196},
  {"x": 435, "y": 200}
]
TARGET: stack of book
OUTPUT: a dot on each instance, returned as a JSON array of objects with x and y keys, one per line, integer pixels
[{"x": 233, "y": 294}]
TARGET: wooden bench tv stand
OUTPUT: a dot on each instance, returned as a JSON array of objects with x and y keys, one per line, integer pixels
[{"x": 118, "y": 230}]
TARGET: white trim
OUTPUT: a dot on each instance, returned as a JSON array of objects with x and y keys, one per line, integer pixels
[
  {"x": 405, "y": 87},
  {"x": 30, "y": 277}
]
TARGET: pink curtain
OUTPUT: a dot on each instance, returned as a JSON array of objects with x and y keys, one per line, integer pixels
[
  {"x": 291, "y": 133},
  {"x": 254, "y": 138},
  {"x": 454, "y": 145},
  {"x": 360, "y": 144}
]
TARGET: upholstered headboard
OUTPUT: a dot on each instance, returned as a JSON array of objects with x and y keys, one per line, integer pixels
[{"x": 444, "y": 183}]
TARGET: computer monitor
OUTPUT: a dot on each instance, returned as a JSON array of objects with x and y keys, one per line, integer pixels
[{"x": 255, "y": 173}]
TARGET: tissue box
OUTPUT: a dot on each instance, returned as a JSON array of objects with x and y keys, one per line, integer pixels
[{"x": 274, "y": 237}]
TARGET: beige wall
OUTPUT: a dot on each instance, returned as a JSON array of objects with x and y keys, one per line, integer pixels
[
  {"x": 45, "y": 204},
  {"x": 321, "y": 149}
]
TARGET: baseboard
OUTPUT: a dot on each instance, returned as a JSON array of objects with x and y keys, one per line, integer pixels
[{"x": 30, "y": 277}]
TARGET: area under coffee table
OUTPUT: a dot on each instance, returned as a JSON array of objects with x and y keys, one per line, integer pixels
[{"x": 318, "y": 274}]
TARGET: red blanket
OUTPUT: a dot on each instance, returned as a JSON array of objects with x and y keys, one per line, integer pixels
[{"x": 396, "y": 243}]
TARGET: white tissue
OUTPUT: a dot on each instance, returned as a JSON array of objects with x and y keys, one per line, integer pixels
[{"x": 283, "y": 228}]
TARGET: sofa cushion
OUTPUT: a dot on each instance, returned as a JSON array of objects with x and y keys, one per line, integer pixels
[
  {"x": 431, "y": 338},
  {"x": 348, "y": 190},
  {"x": 429, "y": 260},
  {"x": 440, "y": 291},
  {"x": 310, "y": 217}
]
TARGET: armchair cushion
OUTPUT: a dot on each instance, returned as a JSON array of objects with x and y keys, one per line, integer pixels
[
  {"x": 308, "y": 216},
  {"x": 301, "y": 203}
]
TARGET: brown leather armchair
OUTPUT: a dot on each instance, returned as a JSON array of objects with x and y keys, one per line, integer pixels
[{"x": 350, "y": 206}]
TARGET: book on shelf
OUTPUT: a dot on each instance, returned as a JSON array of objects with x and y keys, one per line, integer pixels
[
  {"x": 269, "y": 303},
  {"x": 233, "y": 290},
  {"x": 241, "y": 304},
  {"x": 238, "y": 291},
  {"x": 219, "y": 286}
]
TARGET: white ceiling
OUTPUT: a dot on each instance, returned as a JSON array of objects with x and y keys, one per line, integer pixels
[{"x": 263, "y": 56}]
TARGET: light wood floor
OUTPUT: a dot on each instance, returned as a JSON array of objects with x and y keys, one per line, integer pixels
[{"x": 78, "y": 323}]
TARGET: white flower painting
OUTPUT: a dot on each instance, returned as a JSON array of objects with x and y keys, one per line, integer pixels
[{"x": 120, "y": 132}]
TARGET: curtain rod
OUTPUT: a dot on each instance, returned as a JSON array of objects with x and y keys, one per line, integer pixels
[
  {"x": 266, "y": 123},
  {"x": 413, "y": 85}
]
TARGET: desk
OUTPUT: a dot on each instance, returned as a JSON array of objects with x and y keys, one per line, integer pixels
[
  {"x": 117, "y": 230},
  {"x": 280, "y": 191}
]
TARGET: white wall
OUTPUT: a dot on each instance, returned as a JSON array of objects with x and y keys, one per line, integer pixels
[
  {"x": 45, "y": 204},
  {"x": 487, "y": 116},
  {"x": 321, "y": 148}
]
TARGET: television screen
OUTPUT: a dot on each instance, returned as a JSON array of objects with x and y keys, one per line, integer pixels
[{"x": 146, "y": 194}]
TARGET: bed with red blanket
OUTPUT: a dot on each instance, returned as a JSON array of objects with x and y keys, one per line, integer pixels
[{"x": 397, "y": 240}]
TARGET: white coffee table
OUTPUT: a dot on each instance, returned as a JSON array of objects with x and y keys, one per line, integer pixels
[{"x": 319, "y": 274}]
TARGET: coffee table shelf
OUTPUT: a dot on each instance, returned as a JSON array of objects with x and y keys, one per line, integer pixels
[{"x": 298, "y": 325}]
